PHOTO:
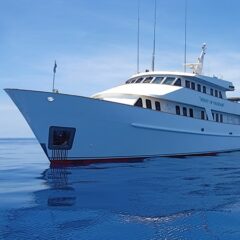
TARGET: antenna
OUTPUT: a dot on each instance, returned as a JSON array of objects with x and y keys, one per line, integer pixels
[
  {"x": 154, "y": 36},
  {"x": 198, "y": 67},
  {"x": 185, "y": 36},
  {"x": 138, "y": 36}
]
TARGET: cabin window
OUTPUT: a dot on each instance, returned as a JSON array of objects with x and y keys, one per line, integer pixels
[
  {"x": 178, "y": 110},
  {"x": 191, "y": 112},
  {"x": 221, "y": 118},
  {"x": 213, "y": 116},
  {"x": 187, "y": 84},
  {"x": 178, "y": 82},
  {"x": 199, "y": 88},
  {"x": 148, "y": 80},
  {"x": 158, "y": 80},
  {"x": 204, "y": 89},
  {"x": 138, "y": 103},
  {"x": 184, "y": 111},
  {"x": 217, "y": 117},
  {"x": 211, "y": 91},
  {"x": 139, "y": 80},
  {"x": 169, "y": 80},
  {"x": 220, "y": 94},
  {"x": 216, "y": 93},
  {"x": 202, "y": 115},
  {"x": 133, "y": 80},
  {"x": 128, "y": 81},
  {"x": 148, "y": 104},
  {"x": 193, "y": 85},
  {"x": 157, "y": 106}
]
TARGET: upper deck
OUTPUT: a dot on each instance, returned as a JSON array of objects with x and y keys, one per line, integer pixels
[
  {"x": 161, "y": 83},
  {"x": 167, "y": 77}
]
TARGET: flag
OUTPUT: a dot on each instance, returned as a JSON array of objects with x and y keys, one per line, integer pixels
[{"x": 55, "y": 67}]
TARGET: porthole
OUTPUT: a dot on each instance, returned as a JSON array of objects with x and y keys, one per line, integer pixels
[
  {"x": 157, "y": 106},
  {"x": 204, "y": 89},
  {"x": 184, "y": 111},
  {"x": 178, "y": 110},
  {"x": 199, "y": 88},
  {"x": 138, "y": 103},
  {"x": 148, "y": 104},
  {"x": 191, "y": 112}
]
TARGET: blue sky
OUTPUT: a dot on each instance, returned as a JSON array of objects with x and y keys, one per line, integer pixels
[{"x": 94, "y": 43}]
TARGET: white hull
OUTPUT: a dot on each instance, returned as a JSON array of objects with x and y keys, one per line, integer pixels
[{"x": 107, "y": 130}]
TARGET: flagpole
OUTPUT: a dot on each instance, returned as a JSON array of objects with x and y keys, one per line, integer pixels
[
  {"x": 54, "y": 73},
  {"x": 53, "y": 82}
]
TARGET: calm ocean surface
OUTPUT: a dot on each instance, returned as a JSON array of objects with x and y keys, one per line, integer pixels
[{"x": 165, "y": 198}]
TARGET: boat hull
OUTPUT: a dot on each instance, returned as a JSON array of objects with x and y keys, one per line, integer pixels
[{"x": 102, "y": 131}]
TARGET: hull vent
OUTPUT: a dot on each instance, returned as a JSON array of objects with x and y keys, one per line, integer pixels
[{"x": 60, "y": 141}]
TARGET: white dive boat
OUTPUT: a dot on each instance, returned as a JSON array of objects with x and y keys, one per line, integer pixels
[{"x": 153, "y": 114}]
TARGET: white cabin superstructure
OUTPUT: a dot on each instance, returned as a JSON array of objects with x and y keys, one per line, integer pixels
[{"x": 186, "y": 94}]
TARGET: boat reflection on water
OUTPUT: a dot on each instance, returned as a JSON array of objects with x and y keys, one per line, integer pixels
[
  {"x": 62, "y": 194},
  {"x": 155, "y": 187},
  {"x": 165, "y": 197},
  {"x": 64, "y": 180}
]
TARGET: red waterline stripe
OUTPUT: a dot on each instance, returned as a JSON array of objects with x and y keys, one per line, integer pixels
[
  {"x": 85, "y": 162},
  {"x": 195, "y": 155}
]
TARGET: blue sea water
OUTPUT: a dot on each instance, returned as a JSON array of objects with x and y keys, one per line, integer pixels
[{"x": 164, "y": 198}]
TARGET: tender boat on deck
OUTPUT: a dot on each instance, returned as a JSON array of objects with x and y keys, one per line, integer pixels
[{"x": 153, "y": 114}]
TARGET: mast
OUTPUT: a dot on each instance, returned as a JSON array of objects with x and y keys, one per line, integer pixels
[
  {"x": 154, "y": 36},
  {"x": 138, "y": 36},
  {"x": 185, "y": 36}
]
